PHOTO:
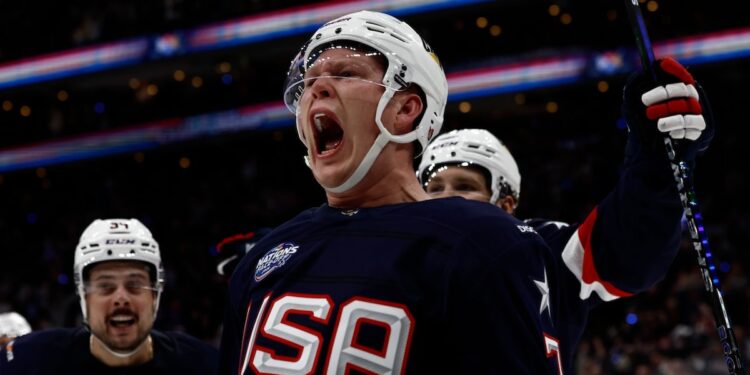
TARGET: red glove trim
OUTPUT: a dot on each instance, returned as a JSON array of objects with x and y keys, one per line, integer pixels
[{"x": 683, "y": 106}]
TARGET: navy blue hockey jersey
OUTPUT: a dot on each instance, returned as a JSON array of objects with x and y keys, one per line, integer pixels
[
  {"x": 444, "y": 286},
  {"x": 624, "y": 246},
  {"x": 439, "y": 286},
  {"x": 65, "y": 351}
]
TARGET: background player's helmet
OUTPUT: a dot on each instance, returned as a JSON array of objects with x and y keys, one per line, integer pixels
[
  {"x": 477, "y": 147},
  {"x": 117, "y": 239},
  {"x": 12, "y": 325},
  {"x": 410, "y": 60}
]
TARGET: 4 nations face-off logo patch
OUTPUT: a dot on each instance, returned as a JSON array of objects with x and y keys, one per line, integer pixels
[{"x": 274, "y": 258}]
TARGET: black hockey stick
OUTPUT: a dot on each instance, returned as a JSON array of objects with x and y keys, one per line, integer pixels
[{"x": 699, "y": 237}]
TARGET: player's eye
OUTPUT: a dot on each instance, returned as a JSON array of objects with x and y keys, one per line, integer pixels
[
  {"x": 137, "y": 287},
  {"x": 134, "y": 287},
  {"x": 435, "y": 188},
  {"x": 102, "y": 288},
  {"x": 466, "y": 187},
  {"x": 309, "y": 82}
]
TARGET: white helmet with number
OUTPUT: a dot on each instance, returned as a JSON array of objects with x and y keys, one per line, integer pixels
[
  {"x": 410, "y": 60},
  {"x": 476, "y": 147},
  {"x": 117, "y": 239}
]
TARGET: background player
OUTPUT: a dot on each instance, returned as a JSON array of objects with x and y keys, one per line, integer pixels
[
  {"x": 119, "y": 278},
  {"x": 474, "y": 164}
]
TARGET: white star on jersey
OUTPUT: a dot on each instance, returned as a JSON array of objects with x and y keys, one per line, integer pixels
[{"x": 544, "y": 289}]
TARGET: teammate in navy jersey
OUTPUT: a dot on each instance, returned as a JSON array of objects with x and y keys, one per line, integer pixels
[
  {"x": 119, "y": 279},
  {"x": 626, "y": 243}
]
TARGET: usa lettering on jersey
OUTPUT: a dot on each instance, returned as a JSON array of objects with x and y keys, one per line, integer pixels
[{"x": 346, "y": 352}]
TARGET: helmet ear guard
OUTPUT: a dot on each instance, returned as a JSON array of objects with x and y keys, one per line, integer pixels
[
  {"x": 116, "y": 240},
  {"x": 477, "y": 147}
]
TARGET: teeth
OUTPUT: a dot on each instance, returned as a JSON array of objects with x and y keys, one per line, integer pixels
[
  {"x": 318, "y": 123},
  {"x": 122, "y": 318}
]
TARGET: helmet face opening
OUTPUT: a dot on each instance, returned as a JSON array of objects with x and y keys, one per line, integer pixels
[
  {"x": 480, "y": 148},
  {"x": 150, "y": 269},
  {"x": 435, "y": 169}
]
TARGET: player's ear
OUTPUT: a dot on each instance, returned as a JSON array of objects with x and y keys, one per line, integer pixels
[
  {"x": 409, "y": 107},
  {"x": 507, "y": 203}
]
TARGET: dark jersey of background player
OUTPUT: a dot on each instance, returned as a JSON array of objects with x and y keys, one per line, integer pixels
[{"x": 66, "y": 351}]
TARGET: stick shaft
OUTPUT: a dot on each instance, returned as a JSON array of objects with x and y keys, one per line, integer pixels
[{"x": 698, "y": 235}]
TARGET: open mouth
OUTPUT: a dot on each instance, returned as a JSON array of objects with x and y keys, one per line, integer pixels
[
  {"x": 328, "y": 133},
  {"x": 122, "y": 320}
]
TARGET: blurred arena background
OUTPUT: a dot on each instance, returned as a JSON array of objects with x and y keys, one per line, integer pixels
[{"x": 170, "y": 111}]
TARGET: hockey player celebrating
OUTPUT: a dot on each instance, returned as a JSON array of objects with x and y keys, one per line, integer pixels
[
  {"x": 381, "y": 279},
  {"x": 119, "y": 279},
  {"x": 629, "y": 240}
]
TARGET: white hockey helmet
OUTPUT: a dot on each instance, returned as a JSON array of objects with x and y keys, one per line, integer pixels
[
  {"x": 12, "y": 325},
  {"x": 410, "y": 60},
  {"x": 477, "y": 147},
  {"x": 117, "y": 239}
]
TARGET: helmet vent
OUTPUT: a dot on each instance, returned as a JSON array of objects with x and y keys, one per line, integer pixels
[
  {"x": 398, "y": 37},
  {"x": 374, "y": 26},
  {"x": 91, "y": 248},
  {"x": 373, "y": 23},
  {"x": 377, "y": 30}
]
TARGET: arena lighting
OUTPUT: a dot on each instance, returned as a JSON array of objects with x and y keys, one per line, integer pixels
[
  {"x": 145, "y": 136},
  {"x": 463, "y": 85},
  {"x": 72, "y": 62},
  {"x": 302, "y": 19},
  {"x": 717, "y": 46},
  {"x": 265, "y": 26},
  {"x": 515, "y": 77}
]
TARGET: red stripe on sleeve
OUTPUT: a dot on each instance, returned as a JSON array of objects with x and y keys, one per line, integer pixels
[{"x": 589, "y": 274}]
